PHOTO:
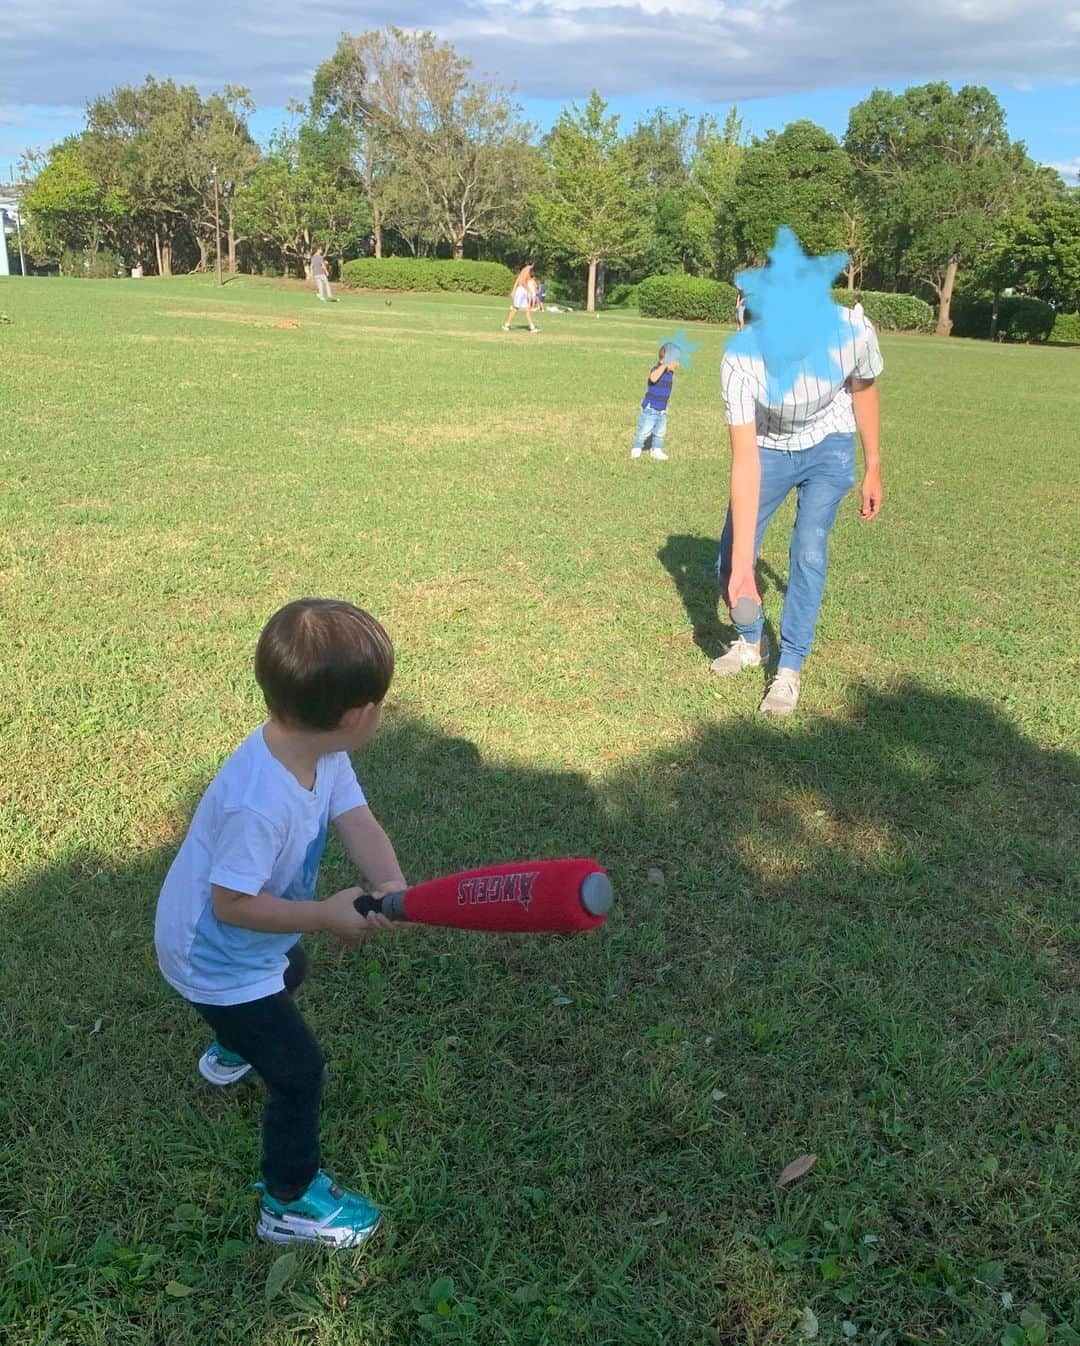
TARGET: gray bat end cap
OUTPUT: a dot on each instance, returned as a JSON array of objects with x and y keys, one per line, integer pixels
[
  {"x": 596, "y": 894},
  {"x": 745, "y": 612}
]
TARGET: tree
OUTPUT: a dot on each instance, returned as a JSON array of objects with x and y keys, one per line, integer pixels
[
  {"x": 67, "y": 204},
  {"x": 800, "y": 177},
  {"x": 589, "y": 210},
  {"x": 714, "y": 166},
  {"x": 231, "y": 154},
  {"x": 140, "y": 130},
  {"x": 937, "y": 169},
  {"x": 856, "y": 239},
  {"x": 150, "y": 153},
  {"x": 659, "y": 155},
  {"x": 406, "y": 205},
  {"x": 658, "y": 151},
  {"x": 1038, "y": 253},
  {"x": 356, "y": 85},
  {"x": 304, "y": 191},
  {"x": 416, "y": 112}
]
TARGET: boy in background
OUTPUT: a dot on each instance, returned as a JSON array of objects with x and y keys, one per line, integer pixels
[
  {"x": 654, "y": 405},
  {"x": 240, "y": 894}
]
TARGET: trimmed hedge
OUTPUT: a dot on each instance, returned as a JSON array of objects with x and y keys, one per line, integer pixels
[
  {"x": 105, "y": 266},
  {"x": 1066, "y": 328},
  {"x": 681, "y": 296},
  {"x": 891, "y": 312},
  {"x": 423, "y": 273},
  {"x": 1019, "y": 318},
  {"x": 686, "y": 297}
]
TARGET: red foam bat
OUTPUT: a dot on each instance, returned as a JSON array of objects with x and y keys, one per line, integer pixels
[{"x": 542, "y": 896}]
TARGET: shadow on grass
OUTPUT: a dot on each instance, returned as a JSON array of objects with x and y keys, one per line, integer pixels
[
  {"x": 860, "y": 950},
  {"x": 691, "y": 563}
]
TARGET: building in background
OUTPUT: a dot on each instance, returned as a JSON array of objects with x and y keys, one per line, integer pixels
[{"x": 12, "y": 257}]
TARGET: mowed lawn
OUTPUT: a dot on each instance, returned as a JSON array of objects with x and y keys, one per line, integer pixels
[{"x": 864, "y": 945}]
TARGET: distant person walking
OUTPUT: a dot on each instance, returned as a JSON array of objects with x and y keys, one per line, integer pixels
[
  {"x": 740, "y": 311},
  {"x": 320, "y": 276},
  {"x": 521, "y": 297}
]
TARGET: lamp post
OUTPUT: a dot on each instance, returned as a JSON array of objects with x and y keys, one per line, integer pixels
[
  {"x": 18, "y": 232},
  {"x": 217, "y": 226}
]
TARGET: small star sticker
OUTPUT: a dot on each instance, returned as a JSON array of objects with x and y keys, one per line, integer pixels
[
  {"x": 794, "y": 321},
  {"x": 680, "y": 347}
]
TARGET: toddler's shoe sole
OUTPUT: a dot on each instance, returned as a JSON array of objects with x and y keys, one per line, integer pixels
[
  {"x": 213, "y": 1071},
  {"x": 276, "y": 1229}
]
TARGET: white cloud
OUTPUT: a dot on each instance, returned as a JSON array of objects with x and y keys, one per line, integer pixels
[
  {"x": 72, "y": 50},
  {"x": 1069, "y": 170}
]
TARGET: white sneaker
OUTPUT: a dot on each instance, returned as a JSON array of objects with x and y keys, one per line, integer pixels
[
  {"x": 783, "y": 694},
  {"x": 635, "y": 452},
  {"x": 506, "y": 327},
  {"x": 534, "y": 329},
  {"x": 658, "y": 454},
  {"x": 740, "y": 654}
]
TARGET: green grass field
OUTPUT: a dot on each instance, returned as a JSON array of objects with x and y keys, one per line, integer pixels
[{"x": 865, "y": 945}]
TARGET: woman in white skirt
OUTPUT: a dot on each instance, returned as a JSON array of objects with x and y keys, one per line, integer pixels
[{"x": 522, "y": 297}]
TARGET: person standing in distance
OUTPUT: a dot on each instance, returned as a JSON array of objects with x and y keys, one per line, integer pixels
[
  {"x": 320, "y": 276},
  {"x": 796, "y": 387},
  {"x": 521, "y": 297}
]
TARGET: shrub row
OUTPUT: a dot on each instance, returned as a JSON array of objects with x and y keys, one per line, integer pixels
[
  {"x": 679, "y": 296},
  {"x": 105, "y": 266},
  {"x": 423, "y": 273},
  {"x": 1066, "y": 328},
  {"x": 687, "y": 297},
  {"x": 891, "y": 312},
  {"x": 1019, "y": 318}
]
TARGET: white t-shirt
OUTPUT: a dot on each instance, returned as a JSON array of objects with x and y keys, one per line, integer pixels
[
  {"x": 813, "y": 408},
  {"x": 256, "y": 830}
]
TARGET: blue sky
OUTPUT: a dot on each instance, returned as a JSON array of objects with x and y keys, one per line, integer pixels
[{"x": 776, "y": 59}]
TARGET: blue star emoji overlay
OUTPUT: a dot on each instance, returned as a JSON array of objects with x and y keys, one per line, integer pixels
[
  {"x": 794, "y": 326},
  {"x": 680, "y": 347}
]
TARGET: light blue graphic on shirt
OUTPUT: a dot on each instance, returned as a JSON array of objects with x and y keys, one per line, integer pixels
[
  {"x": 222, "y": 954},
  {"x": 302, "y": 888},
  {"x": 794, "y": 323}
]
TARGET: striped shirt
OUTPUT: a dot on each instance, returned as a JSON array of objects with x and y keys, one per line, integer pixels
[
  {"x": 812, "y": 408},
  {"x": 657, "y": 394}
]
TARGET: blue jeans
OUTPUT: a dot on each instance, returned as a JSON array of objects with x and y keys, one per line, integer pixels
[
  {"x": 821, "y": 476},
  {"x": 650, "y": 422}
]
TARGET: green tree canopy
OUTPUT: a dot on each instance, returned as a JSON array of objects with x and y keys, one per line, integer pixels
[
  {"x": 306, "y": 191},
  {"x": 800, "y": 177},
  {"x": 589, "y": 210},
  {"x": 938, "y": 170},
  {"x": 68, "y": 205}
]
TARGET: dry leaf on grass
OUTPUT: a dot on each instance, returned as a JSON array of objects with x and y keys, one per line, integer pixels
[{"x": 796, "y": 1169}]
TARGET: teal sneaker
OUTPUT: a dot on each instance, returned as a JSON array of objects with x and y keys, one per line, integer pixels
[
  {"x": 324, "y": 1213},
  {"x": 220, "y": 1066}
]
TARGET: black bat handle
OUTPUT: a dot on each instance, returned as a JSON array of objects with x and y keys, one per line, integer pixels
[{"x": 392, "y": 906}]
